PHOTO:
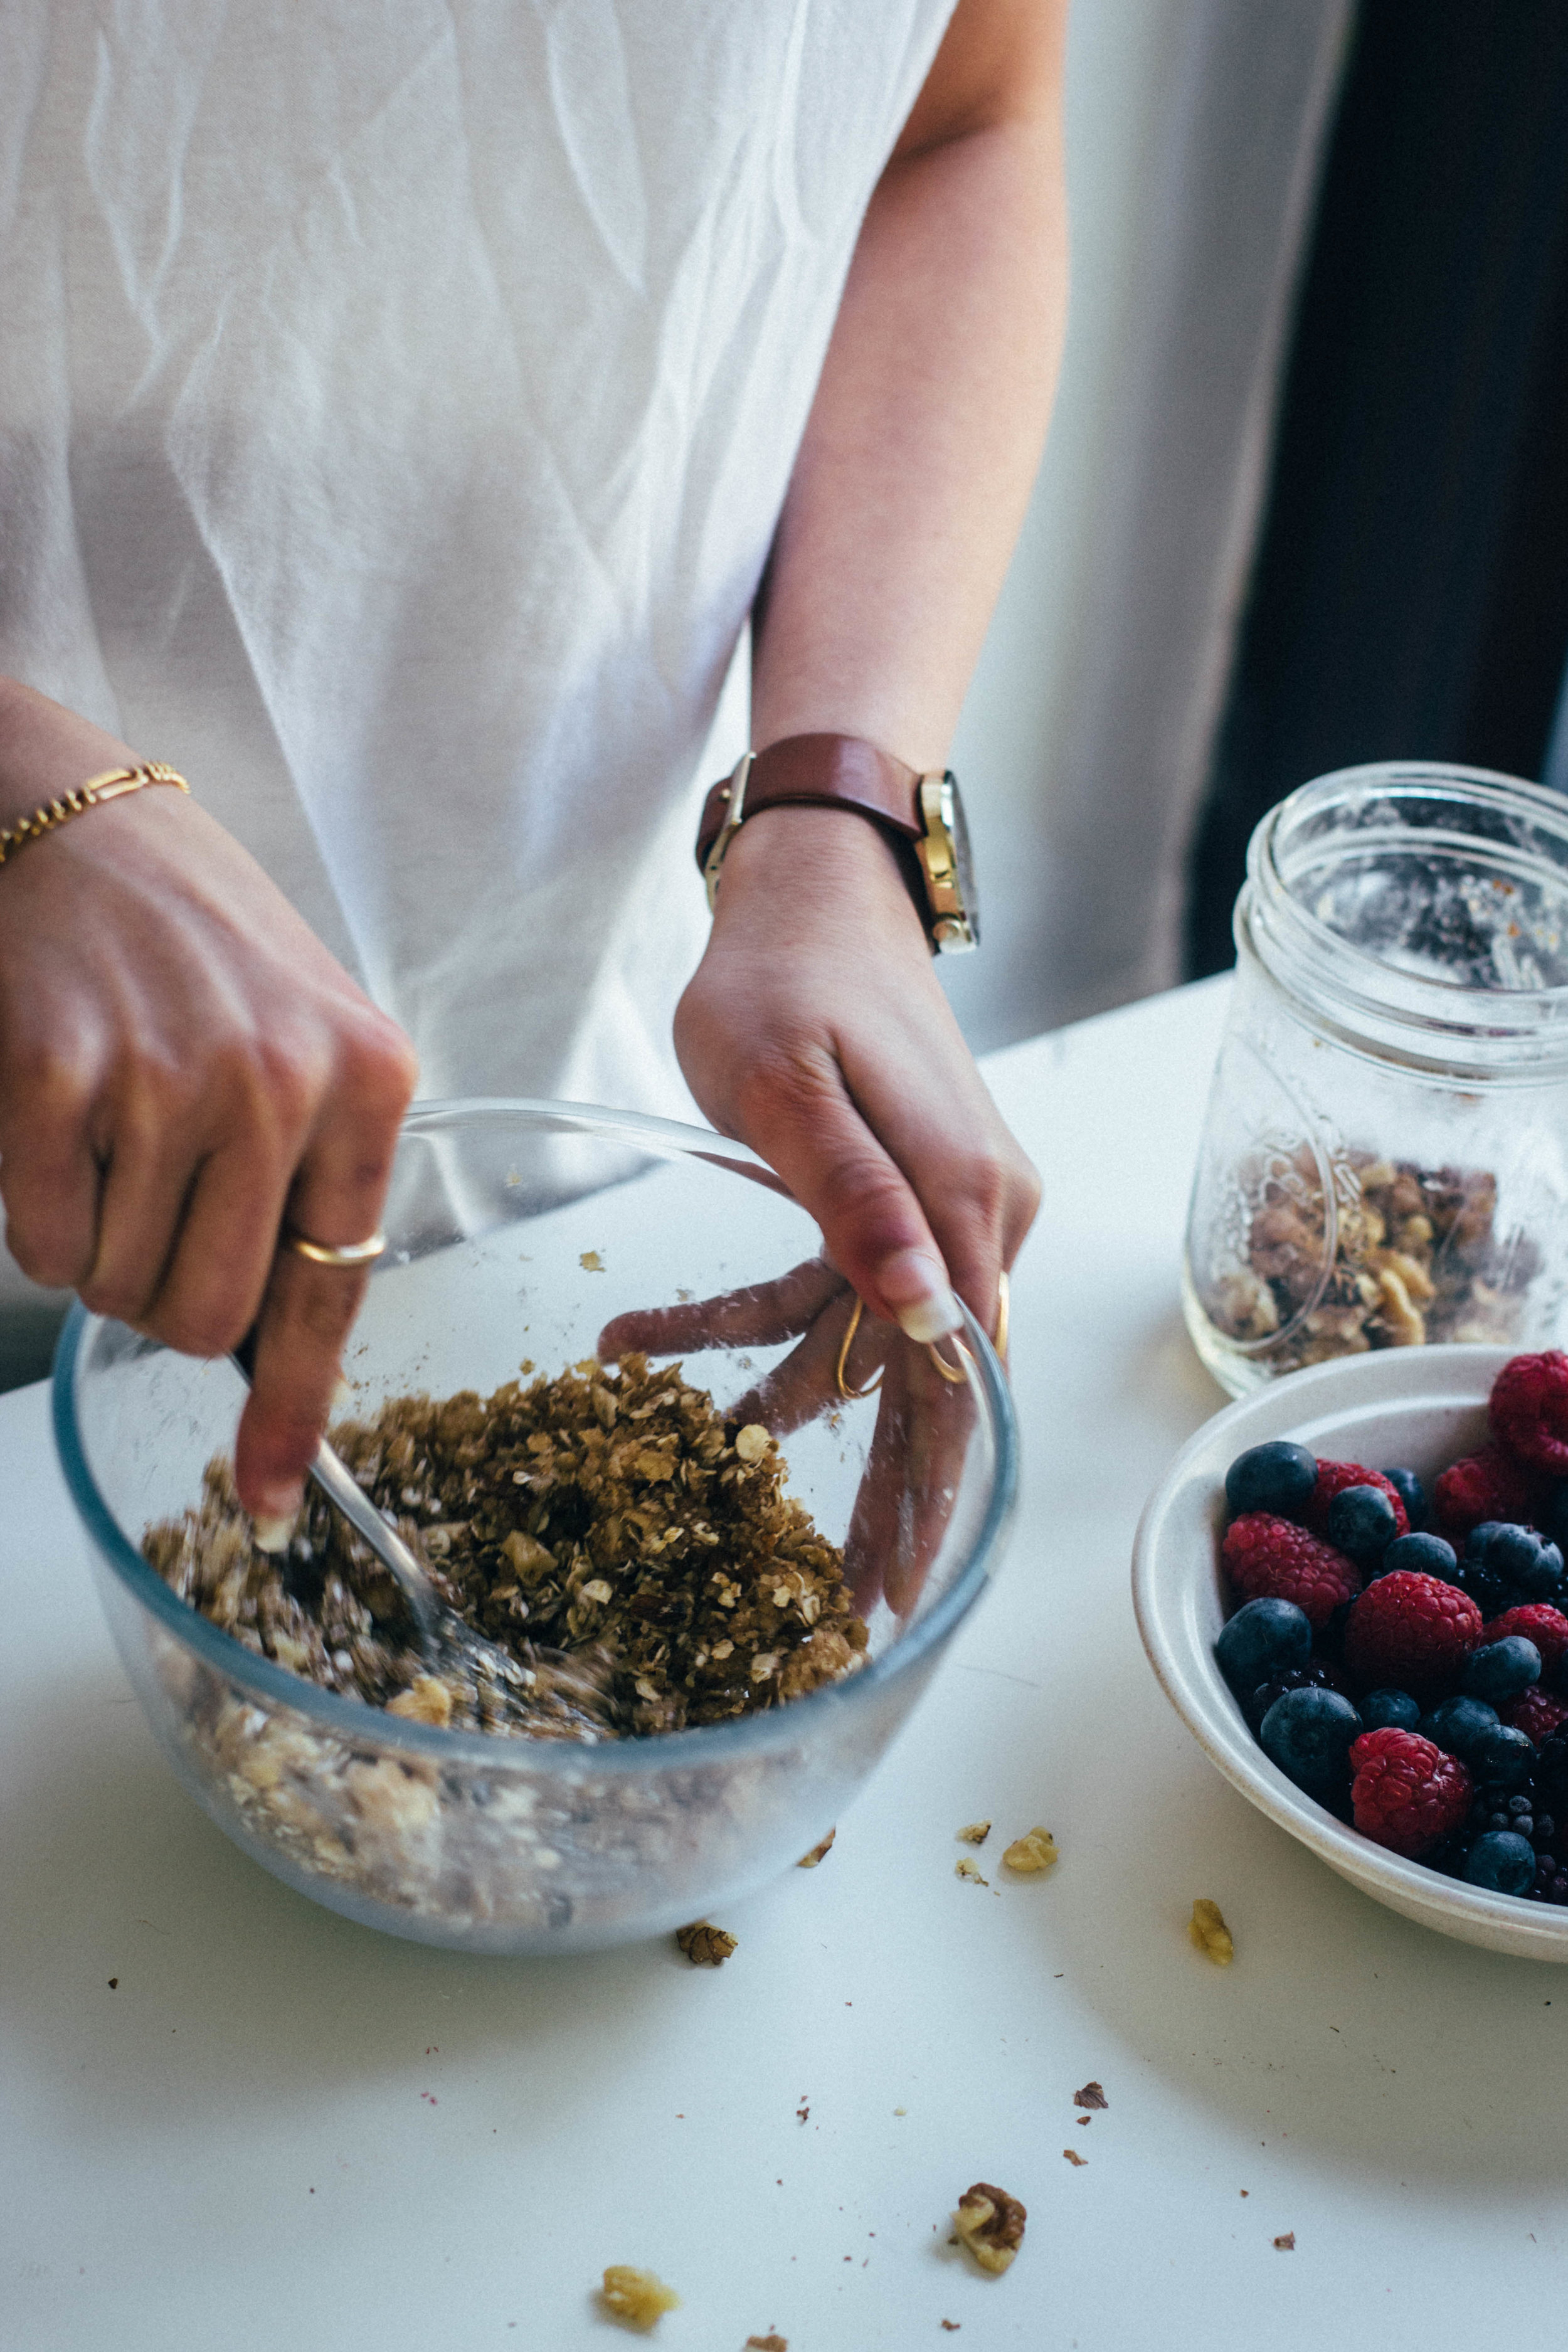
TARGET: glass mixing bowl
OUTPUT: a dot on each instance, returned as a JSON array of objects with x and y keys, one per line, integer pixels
[{"x": 518, "y": 1231}]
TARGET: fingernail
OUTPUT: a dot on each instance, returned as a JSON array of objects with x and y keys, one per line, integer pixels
[
  {"x": 271, "y": 1532},
  {"x": 916, "y": 1287}
]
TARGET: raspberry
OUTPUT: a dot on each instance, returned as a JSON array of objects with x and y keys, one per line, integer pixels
[
  {"x": 1406, "y": 1794},
  {"x": 1486, "y": 1485},
  {"x": 1538, "y": 1713},
  {"x": 1413, "y": 1631},
  {"x": 1268, "y": 1558},
  {"x": 1539, "y": 1623},
  {"x": 1528, "y": 1409},
  {"x": 1333, "y": 1478}
]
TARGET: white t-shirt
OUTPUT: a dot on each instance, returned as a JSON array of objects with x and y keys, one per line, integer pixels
[{"x": 396, "y": 405}]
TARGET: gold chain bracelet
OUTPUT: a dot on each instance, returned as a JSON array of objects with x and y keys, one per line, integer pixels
[{"x": 111, "y": 785}]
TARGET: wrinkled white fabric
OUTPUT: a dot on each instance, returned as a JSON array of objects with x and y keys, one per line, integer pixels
[{"x": 397, "y": 400}]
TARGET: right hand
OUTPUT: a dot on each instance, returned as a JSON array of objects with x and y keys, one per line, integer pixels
[{"x": 183, "y": 1069}]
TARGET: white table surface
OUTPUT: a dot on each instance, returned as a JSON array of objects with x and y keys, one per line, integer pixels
[{"x": 283, "y": 2129}]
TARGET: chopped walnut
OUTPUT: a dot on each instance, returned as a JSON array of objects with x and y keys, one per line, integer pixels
[
  {"x": 990, "y": 2224},
  {"x": 977, "y": 1833},
  {"x": 965, "y": 1868},
  {"x": 1092, "y": 2095},
  {"x": 1415, "y": 1258},
  {"x": 767, "y": 2344},
  {"x": 636, "y": 2298},
  {"x": 705, "y": 1946},
  {"x": 809, "y": 1861},
  {"x": 1073, "y": 2157},
  {"x": 1036, "y": 1850},
  {"x": 1209, "y": 1933},
  {"x": 426, "y": 1700},
  {"x": 1286, "y": 2244}
]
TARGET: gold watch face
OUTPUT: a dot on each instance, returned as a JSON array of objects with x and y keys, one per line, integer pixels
[{"x": 949, "y": 870}]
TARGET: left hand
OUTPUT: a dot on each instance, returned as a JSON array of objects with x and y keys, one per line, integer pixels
[{"x": 815, "y": 1031}]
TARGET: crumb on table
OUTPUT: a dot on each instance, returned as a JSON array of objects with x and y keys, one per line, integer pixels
[
  {"x": 1036, "y": 1850},
  {"x": 809, "y": 1861},
  {"x": 1092, "y": 2095},
  {"x": 636, "y": 2298},
  {"x": 1209, "y": 1933},
  {"x": 705, "y": 1946},
  {"x": 965, "y": 1868},
  {"x": 975, "y": 1832},
  {"x": 990, "y": 2223}
]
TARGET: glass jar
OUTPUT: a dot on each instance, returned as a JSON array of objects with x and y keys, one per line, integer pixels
[{"x": 1384, "y": 1159}]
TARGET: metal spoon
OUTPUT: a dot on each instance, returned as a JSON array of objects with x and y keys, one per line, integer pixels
[{"x": 552, "y": 1691}]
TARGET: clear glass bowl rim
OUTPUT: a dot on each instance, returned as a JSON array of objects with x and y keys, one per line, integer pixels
[
  {"x": 779, "y": 1727},
  {"x": 1304, "y": 955}
]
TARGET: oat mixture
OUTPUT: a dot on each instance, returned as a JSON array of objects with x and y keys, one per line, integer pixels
[
  {"x": 607, "y": 1527},
  {"x": 1417, "y": 1260}
]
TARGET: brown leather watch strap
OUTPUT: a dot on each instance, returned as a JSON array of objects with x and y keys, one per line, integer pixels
[{"x": 821, "y": 771}]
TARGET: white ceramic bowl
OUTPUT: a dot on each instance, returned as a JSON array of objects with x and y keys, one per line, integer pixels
[{"x": 1417, "y": 1407}]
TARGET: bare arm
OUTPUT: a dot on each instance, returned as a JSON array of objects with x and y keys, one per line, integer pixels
[{"x": 815, "y": 1026}]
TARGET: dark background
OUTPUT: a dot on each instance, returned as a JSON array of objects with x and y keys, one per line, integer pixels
[{"x": 1409, "y": 593}]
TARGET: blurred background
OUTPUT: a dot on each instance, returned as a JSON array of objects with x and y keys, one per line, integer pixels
[{"x": 1305, "y": 500}]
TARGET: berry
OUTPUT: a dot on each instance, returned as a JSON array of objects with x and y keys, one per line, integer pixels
[
  {"x": 1484, "y": 1486},
  {"x": 1406, "y": 1794},
  {"x": 1501, "y": 1862},
  {"x": 1538, "y": 1714},
  {"x": 1262, "y": 1639},
  {"x": 1333, "y": 1479},
  {"x": 1427, "y": 1555},
  {"x": 1528, "y": 1409},
  {"x": 1505, "y": 1564},
  {"x": 1393, "y": 1710},
  {"x": 1545, "y": 1626},
  {"x": 1412, "y": 1631},
  {"x": 1412, "y": 1494},
  {"x": 1500, "y": 1671},
  {"x": 1316, "y": 1676},
  {"x": 1269, "y": 1559},
  {"x": 1308, "y": 1733},
  {"x": 1503, "y": 1759},
  {"x": 1275, "y": 1477},
  {"x": 1459, "y": 1727},
  {"x": 1361, "y": 1523}
]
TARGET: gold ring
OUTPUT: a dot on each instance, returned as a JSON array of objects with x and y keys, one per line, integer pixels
[
  {"x": 844, "y": 1390},
  {"x": 956, "y": 1378},
  {"x": 322, "y": 1253},
  {"x": 1004, "y": 1302}
]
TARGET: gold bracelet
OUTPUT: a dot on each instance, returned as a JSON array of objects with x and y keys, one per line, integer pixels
[{"x": 111, "y": 785}]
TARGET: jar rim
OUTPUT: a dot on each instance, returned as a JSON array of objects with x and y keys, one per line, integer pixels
[{"x": 1369, "y": 1001}]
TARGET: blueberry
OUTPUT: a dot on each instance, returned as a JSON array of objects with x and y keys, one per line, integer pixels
[
  {"x": 1261, "y": 1640},
  {"x": 1501, "y": 1862},
  {"x": 1362, "y": 1523},
  {"x": 1426, "y": 1555},
  {"x": 1412, "y": 1494},
  {"x": 1502, "y": 1547},
  {"x": 1542, "y": 1578},
  {"x": 1275, "y": 1477},
  {"x": 1308, "y": 1734},
  {"x": 1503, "y": 1757},
  {"x": 1504, "y": 1562},
  {"x": 1502, "y": 1670},
  {"x": 1553, "y": 1511},
  {"x": 1391, "y": 1710},
  {"x": 1461, "y": 1727}
]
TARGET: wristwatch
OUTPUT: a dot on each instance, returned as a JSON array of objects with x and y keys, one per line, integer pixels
[{"x": 922, "y": 816}]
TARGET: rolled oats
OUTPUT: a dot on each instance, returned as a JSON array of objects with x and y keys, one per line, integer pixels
[
  {"x": 990, "y": 2224},
  {"x": 636, "y": 2298}
]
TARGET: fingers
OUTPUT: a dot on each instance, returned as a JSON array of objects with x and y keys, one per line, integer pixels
[
  {"x": 796, "y": 1390},
  {"x": 761, "y": 1316},
  {"x": 912, "y": 1471},
  {"x": 308, "y": 1309},
  {"x": 798, "y": 1112}
]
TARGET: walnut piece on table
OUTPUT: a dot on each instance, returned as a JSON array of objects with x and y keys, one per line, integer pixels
[
  {"x": 767, "y": 2344},
  {"x": 636, "y": 2298},
  {"x": 809, "y": 1861},
  {"x": 990, "y": 2224},
  {"x": 1208, "y": 1931},
  {"x": 975, "y": 1832},
  {"x": 705, "y": 1946},
  {"x": 1036, "y": 1850},
  {"x": 1092, "y": 2095},
  {"x": 965, "y": 1868}
]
